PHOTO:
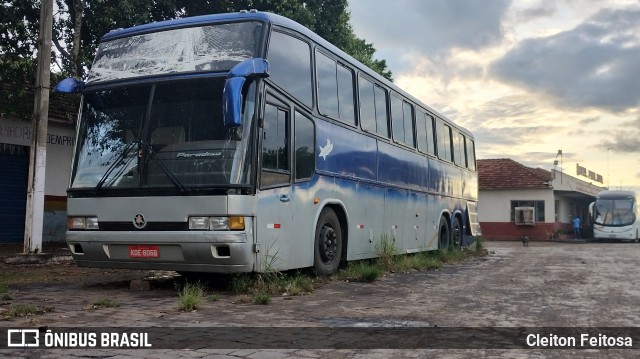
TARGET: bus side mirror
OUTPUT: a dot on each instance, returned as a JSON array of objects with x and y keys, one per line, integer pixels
[
  {"x": 69, "y": 85},
  {"x": 232, "y": 94}
]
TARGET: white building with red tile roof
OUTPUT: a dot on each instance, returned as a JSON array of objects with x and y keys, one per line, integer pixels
[{"x": 515, "y": 200}]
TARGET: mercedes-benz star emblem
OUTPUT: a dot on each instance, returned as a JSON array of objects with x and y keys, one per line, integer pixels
[{"x": 139, "y": 222}]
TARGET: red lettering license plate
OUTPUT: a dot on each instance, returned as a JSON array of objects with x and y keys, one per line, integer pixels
[{"x": 144, "y": 252}]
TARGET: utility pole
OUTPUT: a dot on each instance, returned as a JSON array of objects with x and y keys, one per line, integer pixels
[{"x": 34, "y": 217}]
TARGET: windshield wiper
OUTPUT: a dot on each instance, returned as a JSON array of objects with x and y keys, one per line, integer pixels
[
  {"x": 164, "y": 168},
  {"x": 115, "y": 163}
]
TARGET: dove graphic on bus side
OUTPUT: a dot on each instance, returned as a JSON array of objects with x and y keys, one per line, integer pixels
[{"x": 326, "y": 150}]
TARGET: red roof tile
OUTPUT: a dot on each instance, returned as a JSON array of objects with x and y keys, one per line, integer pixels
[{"x": 503, "y": 173}]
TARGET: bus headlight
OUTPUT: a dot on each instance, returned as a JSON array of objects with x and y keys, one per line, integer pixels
[
  {"x": 82, "y": 223},
  {"x": 232, "y": 223}
]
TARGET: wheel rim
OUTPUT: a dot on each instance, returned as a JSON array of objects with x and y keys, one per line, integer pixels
[
  {"x": 456, "y": 234},
  {"x": 328, "y": 243}
]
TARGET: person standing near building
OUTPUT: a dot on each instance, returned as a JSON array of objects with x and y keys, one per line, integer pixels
[{"x": 576, "y": 227}]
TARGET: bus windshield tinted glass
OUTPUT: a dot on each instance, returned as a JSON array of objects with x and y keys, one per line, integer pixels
[
  {"x": 164, "y": 135},
  {"x": 616, "y": 212},
  {"x": 194, "y": 49}
]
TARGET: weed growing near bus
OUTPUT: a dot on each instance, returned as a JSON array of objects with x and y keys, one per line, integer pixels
[
  {"x": 23, "y": 310},
  {"x": 386, "y": 253},
  {"x": 389, "y": 261},
  {"x": 191, "y": 296},
  {"x": 262, "y": 298},
  {"x": 362, "y": 271},
  {"x": 104, "y": 303}
]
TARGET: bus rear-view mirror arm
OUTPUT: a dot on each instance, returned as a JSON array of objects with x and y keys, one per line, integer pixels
[
  {"x": 232, "y": 95},
  {"x": 69, "y": 85}
]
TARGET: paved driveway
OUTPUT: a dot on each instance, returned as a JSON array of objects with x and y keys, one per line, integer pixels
[{"x": 544, "y": 286}]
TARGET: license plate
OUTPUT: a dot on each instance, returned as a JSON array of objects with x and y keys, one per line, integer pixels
[{"x": 144, "y": 252}]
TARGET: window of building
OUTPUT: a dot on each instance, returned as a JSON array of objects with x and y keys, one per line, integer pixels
[{"x": 537, "y": 205}]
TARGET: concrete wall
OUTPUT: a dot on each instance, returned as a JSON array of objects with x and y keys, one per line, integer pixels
[
  {"x": 60, "y": 141},
  {"x": 494, "y": 212}
]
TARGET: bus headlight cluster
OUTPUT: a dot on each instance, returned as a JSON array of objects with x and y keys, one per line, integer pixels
[
  {"x": 82, "y": 223},
  {"x": 233, "y": 223}
]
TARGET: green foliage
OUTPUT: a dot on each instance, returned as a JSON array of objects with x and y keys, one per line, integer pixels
[
  {"x": 386, "y": 253},
  {"x": 105, "y": 303},
  {"x": 361, "y": 271},
  {"x": 191, "y": 296},
  {"x": 242, "y": 283},
  {"x": 23, "y": 310},
  {"x": 20, "y": 21},
  {"x": 261, "y": 298}
]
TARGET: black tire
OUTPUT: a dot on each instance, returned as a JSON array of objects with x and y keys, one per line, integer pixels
[
  {"x": 456, "y": 234},
  {"x": 327, "y": 252},
  {"x": 444, "y": 235}
]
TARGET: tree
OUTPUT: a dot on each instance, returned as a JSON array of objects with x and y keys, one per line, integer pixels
[{"x": 79, "y": 25}]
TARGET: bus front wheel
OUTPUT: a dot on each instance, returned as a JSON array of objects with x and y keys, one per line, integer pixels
[
  {"x": 443, "y": 234},
  {"x": 328, "y": 243}
]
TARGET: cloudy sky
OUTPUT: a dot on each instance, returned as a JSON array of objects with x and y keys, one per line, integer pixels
[{"x": 527, "y": 77}]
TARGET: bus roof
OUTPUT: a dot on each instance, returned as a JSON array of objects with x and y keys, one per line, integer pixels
[
  {"x": 616, "y": 194},
  {"x": 272, "y": 19}
]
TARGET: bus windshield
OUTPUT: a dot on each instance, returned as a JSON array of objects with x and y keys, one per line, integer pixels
[
  {"x": 193, "y": 49},
  {"x": 617, "y": 212},
  {"x": 169, "y": 134}
]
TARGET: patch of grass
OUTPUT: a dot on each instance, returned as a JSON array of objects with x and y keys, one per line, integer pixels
[
  {"x": 6, "y": 296},
  {"x": 105, "y": 303},
  {"x": 387, "y": 253},
  {"x": 298, "y": 284},
  {"x": 4, "y": 288},
  {"x": 419, "y": 261},
  {"x": 23, "y": 310},
  {"x": 242, "y": 283},
  {"x": 261, "y": 298},
  {"x": 214, "y": 297},
  {"x": 479, "y": 245},
  {"x": 191, "y": 296},
  {"x": 361, "y": 271}
]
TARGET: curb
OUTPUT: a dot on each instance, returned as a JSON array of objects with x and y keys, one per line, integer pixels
[{"x": 42, "y": 258}]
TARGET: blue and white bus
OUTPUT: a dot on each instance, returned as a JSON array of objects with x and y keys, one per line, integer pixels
[
  {"x": 616, "y": 216},
  {"x": 245, "y": 142}
]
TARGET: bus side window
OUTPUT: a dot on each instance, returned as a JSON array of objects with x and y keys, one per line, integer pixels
[
  {"x": 275, "y": 147},
  {"x": 397, "y": 119},
  {"x": 444, "y": 141},
  {"x": 304, "y": 144},
  {"x": 290, "y": 65},
  {"x": 471, "y": 155}
]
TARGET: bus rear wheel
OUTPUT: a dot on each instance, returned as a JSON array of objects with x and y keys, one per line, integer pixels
[
  {"x": 443, "y": 234},
  {"x": 456, "y": 234},
  {"x": 328, "y": 244}
]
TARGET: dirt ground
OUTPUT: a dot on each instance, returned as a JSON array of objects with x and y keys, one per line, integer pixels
[{"x": 546, "y": 285}]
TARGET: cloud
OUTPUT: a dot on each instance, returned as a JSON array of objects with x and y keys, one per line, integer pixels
[
  {"x": 588, "y": 66},
  {"x": 623, "y": 139},
  {"x": 429, "y": 28},
  {"x": 545, "y": 8}
]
